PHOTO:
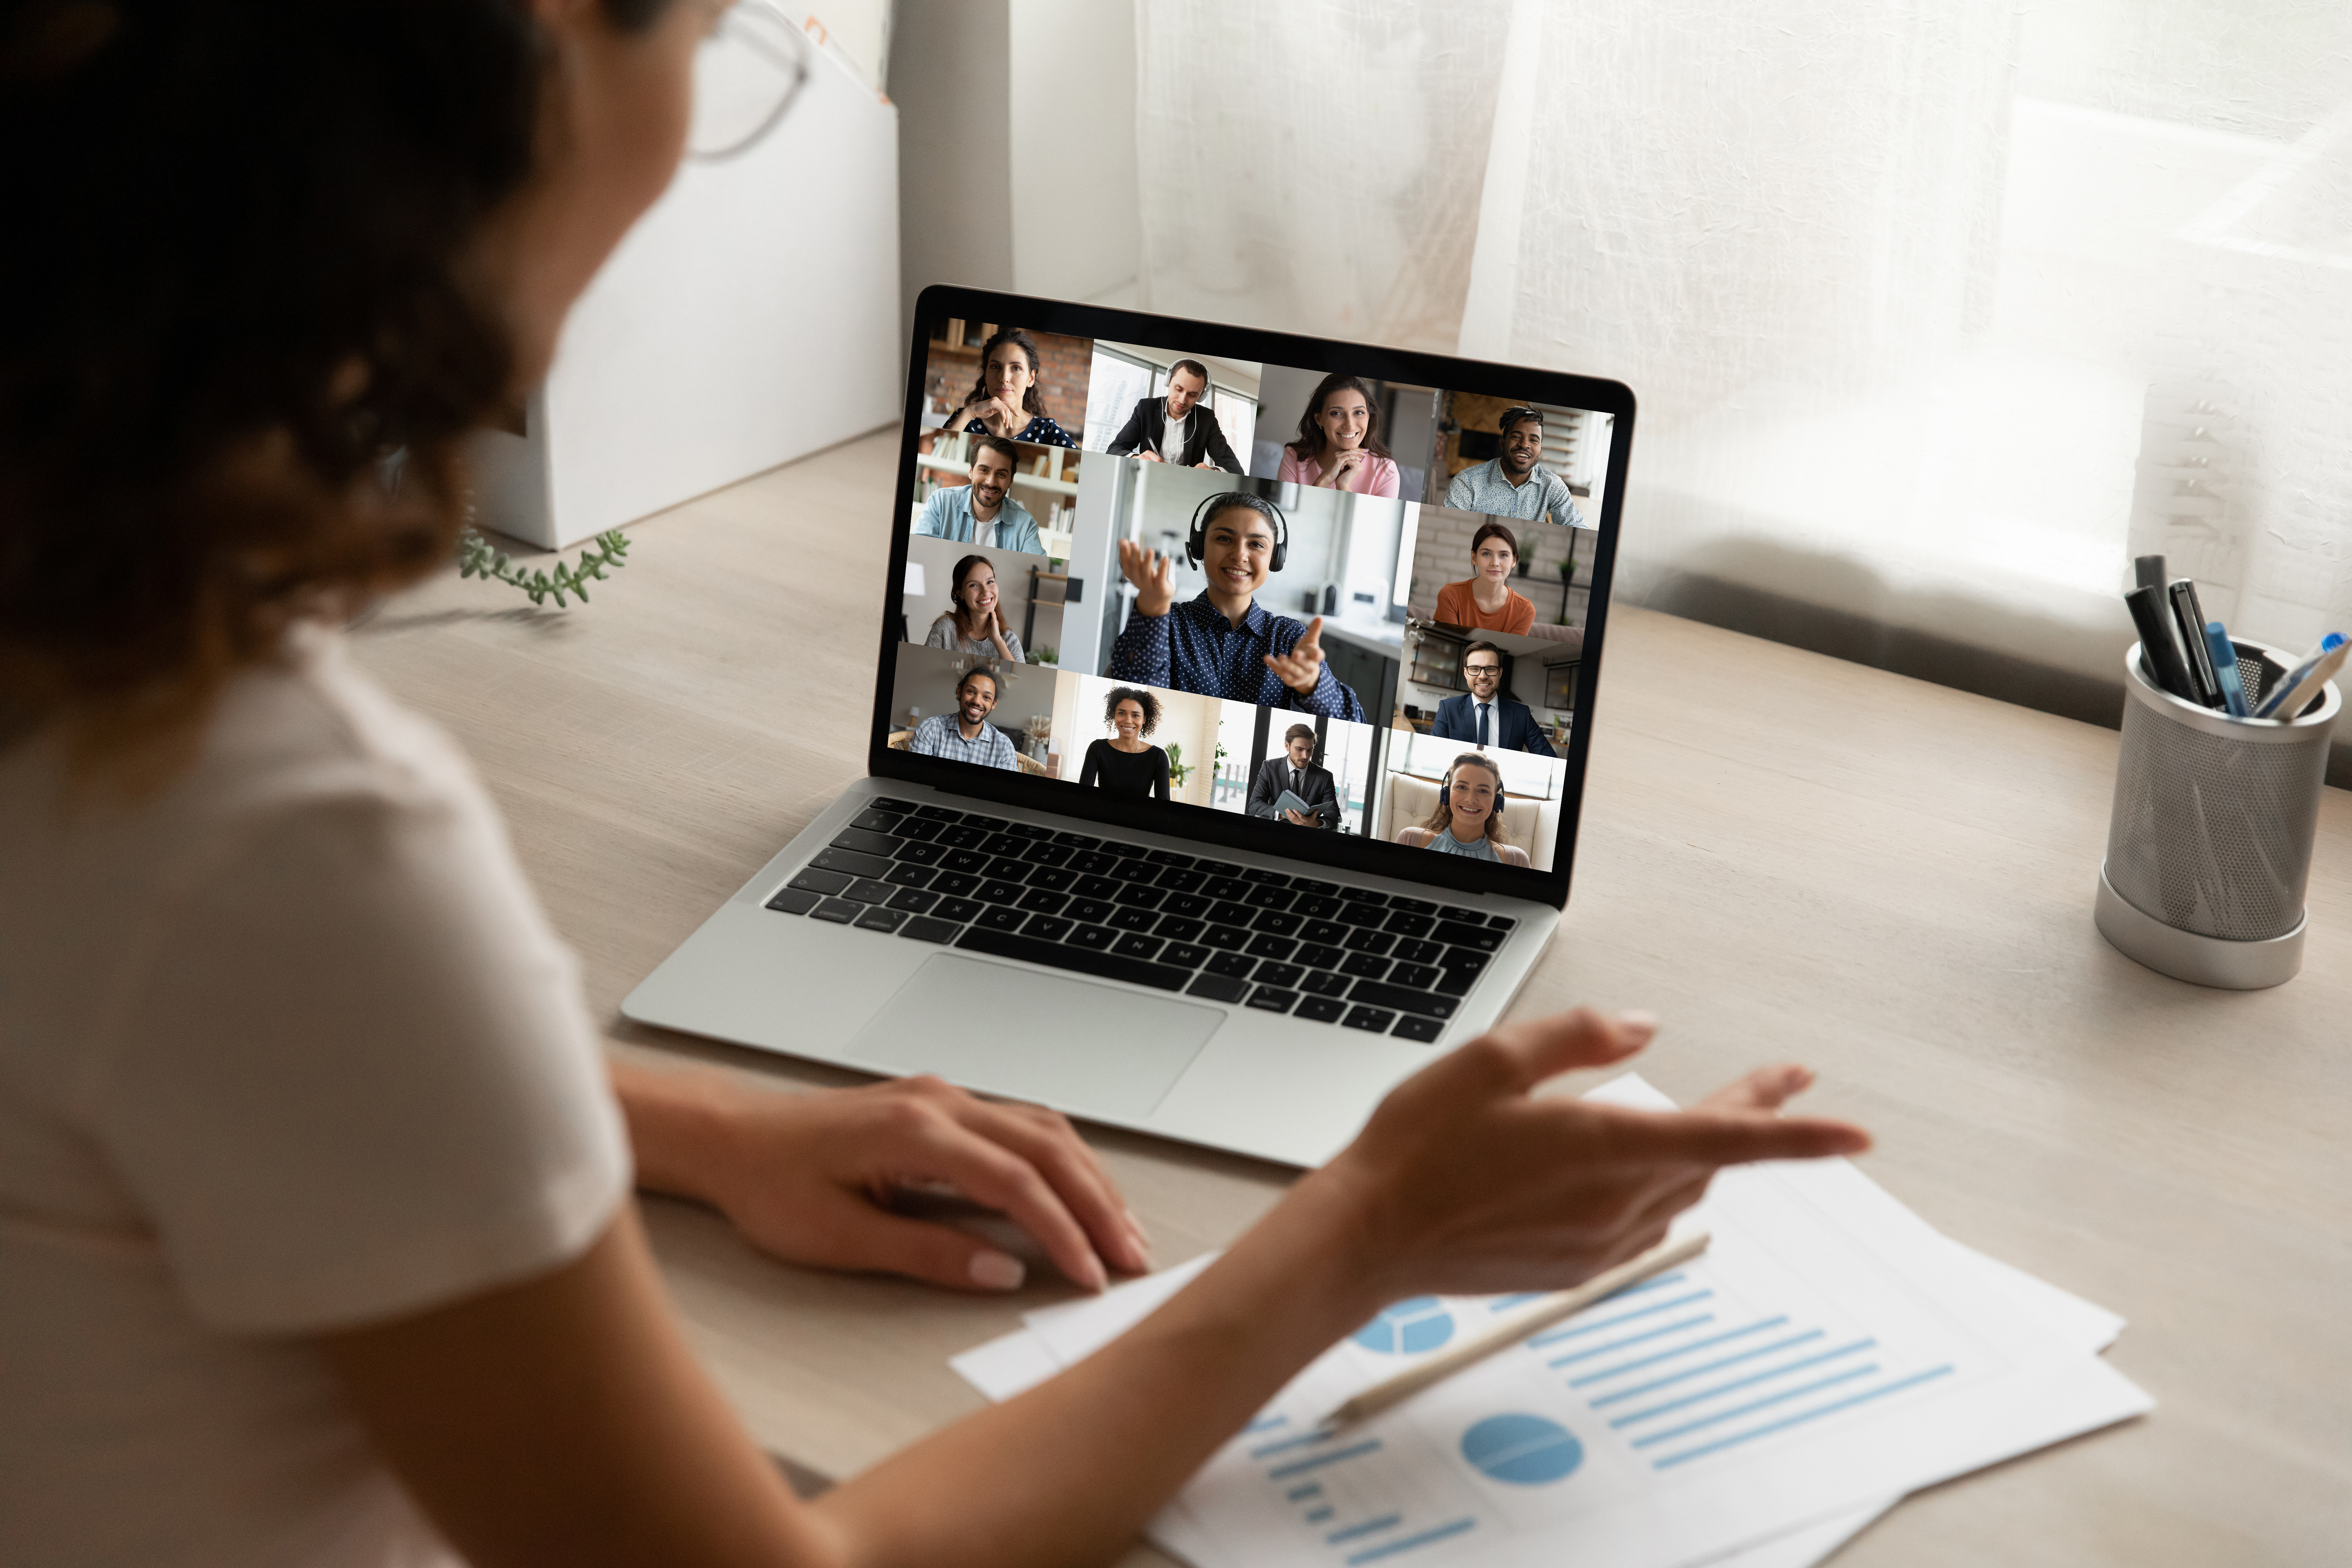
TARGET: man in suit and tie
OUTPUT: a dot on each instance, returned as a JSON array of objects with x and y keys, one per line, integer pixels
[
  {"x": 1294, "y": 771},
  {"x": 1176, "y": 428},
  {"x": 1481, "y": 715}
]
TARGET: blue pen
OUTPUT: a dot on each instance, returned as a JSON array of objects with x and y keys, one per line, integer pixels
[
  {"x": 2288, "y": 698},
  {"x": 2225, "y": 669}
]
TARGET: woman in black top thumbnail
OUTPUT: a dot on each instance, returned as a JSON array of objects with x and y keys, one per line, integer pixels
[{"x": 1127, "y": 764}]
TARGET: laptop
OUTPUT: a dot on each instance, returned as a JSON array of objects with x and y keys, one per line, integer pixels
[{"x": 1155, "y": 586}]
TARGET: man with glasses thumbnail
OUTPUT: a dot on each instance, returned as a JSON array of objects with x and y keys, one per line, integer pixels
[
  {"x": 1177, "y": 428},
  {"x": 1514, "y": 482},
  {"x": 1482, "y": 715}
]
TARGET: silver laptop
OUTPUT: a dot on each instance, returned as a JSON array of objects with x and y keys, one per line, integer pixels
[{"x": 1230, "y": 721}]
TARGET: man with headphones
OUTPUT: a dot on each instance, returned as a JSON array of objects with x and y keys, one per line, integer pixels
[{"x": 1222, "y": 642}]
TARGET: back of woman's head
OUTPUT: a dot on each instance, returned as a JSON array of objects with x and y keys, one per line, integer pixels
[{"x": 237, "y": 279}]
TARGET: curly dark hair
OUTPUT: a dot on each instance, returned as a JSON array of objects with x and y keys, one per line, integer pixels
[
  {"x": 1309, "y": 443},
  {"x": 235, "y": 291},
  {"x": 1141, "y": 698}
]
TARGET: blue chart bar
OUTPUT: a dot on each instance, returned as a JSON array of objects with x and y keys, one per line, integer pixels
[
  {"x": 1317, "y": 1515},
  {"x": 1607, "y": 1372},
  {"x": 1300, "y": 1494},
  {"x": 1285, "y": 1445},
  {"x": 1802, "y": 1416},
  {"x": 1370, "y": 1527},
  {"x": 1656, "y": 1333},
  {"x": 1701, "y": 1371},
  {"x": 1556, "y": 1335},
  {"x": 1504, "y": 1303},
  {"x": 1391, "y": 1548},
  {"x": 1300, "y": 1467},
  {"x": 1738, "y": 1382},
  {"x": 1266, "y": 1423},
  {"x": 1780, "y": 1399}
]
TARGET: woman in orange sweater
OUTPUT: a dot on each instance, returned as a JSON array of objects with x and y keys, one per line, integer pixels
[{"x": 1485, "y": 603}]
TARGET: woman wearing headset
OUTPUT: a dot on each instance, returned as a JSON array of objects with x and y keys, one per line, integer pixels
[
  {"x": 1127, "y": 764},
  {"x": 1222, "y": 642},
  {"x": 1338, "y": 442},
  {"x": 976, "y": 623},
  {"x": 1468, "y": 820},
  {"x": 1004, "y": 399}
]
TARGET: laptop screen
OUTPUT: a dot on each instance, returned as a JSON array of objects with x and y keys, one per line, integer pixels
[{"x": 1340, "y": 603}]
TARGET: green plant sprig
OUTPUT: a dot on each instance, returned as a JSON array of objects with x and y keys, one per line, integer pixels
[{"x": 478, "y": 557}]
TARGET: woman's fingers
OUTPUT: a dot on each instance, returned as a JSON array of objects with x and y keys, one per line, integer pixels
[
  {"x": 937, "y": 1254},
  {"x": 1053, "y": 1146},
  {"x": 1766, "y": 1088},
  {"x": 1722, "y": 1137},
  {"x": 1526, "y": 1053},
  {"x": 988, "y": 1174}
]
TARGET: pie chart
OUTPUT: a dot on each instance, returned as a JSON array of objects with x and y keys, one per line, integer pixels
[
  {"x": 1523, "y": 1450},
  {"x": 1408, "y": 1328}
]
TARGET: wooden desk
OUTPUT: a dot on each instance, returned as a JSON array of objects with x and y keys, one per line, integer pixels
[{"x": 1792, "y": 857}]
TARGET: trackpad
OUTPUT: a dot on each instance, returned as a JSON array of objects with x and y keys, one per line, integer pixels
[{"x": 1086, "y": 1049}]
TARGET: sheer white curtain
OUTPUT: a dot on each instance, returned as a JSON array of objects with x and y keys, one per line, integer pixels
[{"x": 1940, "y": 310}]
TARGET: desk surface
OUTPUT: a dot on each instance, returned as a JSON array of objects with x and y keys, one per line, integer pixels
[{"x": 1784, "y": 856}]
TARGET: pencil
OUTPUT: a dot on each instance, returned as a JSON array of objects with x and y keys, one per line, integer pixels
[{"x": 1542, "y": 1315}]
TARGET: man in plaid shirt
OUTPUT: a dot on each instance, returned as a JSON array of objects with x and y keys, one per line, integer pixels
[{"x": 966, "y": 735}]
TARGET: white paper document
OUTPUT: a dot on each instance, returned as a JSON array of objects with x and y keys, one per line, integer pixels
[{"x": 1829, "y": 1352}]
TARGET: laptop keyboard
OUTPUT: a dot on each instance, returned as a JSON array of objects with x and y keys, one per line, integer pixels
[{"x": 1310, "y": 949}]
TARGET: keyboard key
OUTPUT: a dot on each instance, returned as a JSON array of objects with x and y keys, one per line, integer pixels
[
  {"x": 1168, "y": 857},
  {"x": 1486, "y": 939},
  {"x": 913, "y": 829},
  {"x": 1269, "y": 898},
  {"x": 987, "y": 824},
  {"x": 1323, "y": 983},
  {"x": 1043, "y": 901},
  {"x": 1007, "y": 869},
  {"x": 1134, "y": 944},
  {"x": 1413, "y": 906},
  {"x": 1177, "y": 881},
  {"x": 1270, "y": 947},
  {"x": 1406, "y": 924},
  {"x": 1365, "y": 940},
  {"x": 905, "y": 876},
  {"x": 1226, "y": 912},
  {"x": 1323, "y": 931},
  {"x": 1317, "y": 955},
  {"x": 914, "y": 901},
  {"x": 865, "y": 841},
  {"x": 814, "y": 881},
  {"x": 1186, "y": 904},
  {"x": 1502, "y": 923},
  {"x": 1420, "y": 976},
  {"x": 971, "y": 862},
  {"x": 1366, "y": 965},
  {"x": 1135, "y": 871},
  {"x": 1218, "y": 988},
  {"x": 794, "y": 901},
  {"x": 1048, "y": 928},
  {"x": 1362, "y": 915},
  {"x": 1175, "y": 928},
  {"x": 1127, "y": 851},
  {"x": 1225, "y": 888},
  {"x": 1363, "y": 896},
  {"x": 890, "y": 803},
  {"x": 911, "y": 853},
  {"x": 1001, "y": 844},
  {"x": 1092, "y": 863},
  {"x": 1424, "y": 1030},
  {"x": 1286, "y": 975},
  {"x": 939, "y": 813},
  {"x": 955, "y": 884},
  {"x": 1318, "y": 906},
  {"x": 1426, "y": 1004},
  {"x": 1308, "y": 885},
  {"x": 1265, "y": 878},
  {"x": 1134, "y": 919},
  {"x": 1238, "y": 965},
  {"x": 874, "y": 821},
  {"x": 1054, "y": 877},
  {"x": 865, "y": 890},
  {"x": 881, "y": 917},
  {"x": 1003, "y": 917},
  {"x": 1225, "y": 938},
  {"x": 840, "y": 911},
  {"x": 1091, "y": 911},
  {"x": 1069, "y": 955},
  {"x": 1076, "y": 841},
  {"x": 1093, "y": 938},
  {"x": 1320, "y": 1009},
  {"x": 1371, "y": 1018},
  {"x": 1136, "y": 894},
  {"x": 961, "y": 838},
  {"x": 1273, "y": 999},
  {"x": 998, "y": 892},
  {"x": 1415, "y": 951},
  {"x": 1456, "y": 913},
  {"x": 957, "y": 910},
  {"x": 924, "y": 928},
  {"x": 1096, "y": 888},
  {"x": 1217, "y": 867},
  {"x": 1185, "y": 953},
  {"x": 1459, "y": 973},
  {"x": 1030, "y": 830}
]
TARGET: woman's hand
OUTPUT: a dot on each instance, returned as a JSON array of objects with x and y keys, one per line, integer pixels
[
  {"x": 1464, "y": 1184},
  {"x": 1153, "y": 574},
  {"x": 997, "y": 631},
  {"x": 1337, "y": 477},
  {"x": 993, "y": 413},
  {"x": 809, "y": 1177},
  {"x": 1302, "y": 667}
]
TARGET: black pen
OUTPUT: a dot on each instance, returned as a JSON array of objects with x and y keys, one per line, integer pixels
[
  {"x": 2158, "y": 652},
  {"x": 2188, "y": 616},
  {"x": 2148, "y": 570}
]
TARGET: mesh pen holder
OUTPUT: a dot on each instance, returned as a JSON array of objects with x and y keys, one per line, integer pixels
[{"x": 2209, "y": 846}]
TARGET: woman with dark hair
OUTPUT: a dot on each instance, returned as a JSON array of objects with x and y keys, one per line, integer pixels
[
  {"x": 1127, "y": 764},
  {"x": 1468, "y": 820},
  {"x": 975, "y": 620},
  {"x": 1338, "y": 442},
  {"x": 1486, "y": 601},
  {"x": 314, "y": 1225},
  {"x": 1004, "y": 399}
]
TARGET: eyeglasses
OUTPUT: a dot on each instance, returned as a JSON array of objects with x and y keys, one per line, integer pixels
[{"x": 748, "y": 68}]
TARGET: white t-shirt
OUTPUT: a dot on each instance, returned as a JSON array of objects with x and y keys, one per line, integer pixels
[{"x": 286, "y": 1048}]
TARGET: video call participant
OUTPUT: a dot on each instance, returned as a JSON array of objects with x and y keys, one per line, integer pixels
[
  {"x": 1338, "y": 442},
  {"x": 983, "y": 511},
  {"x": 1127, "y": 764},
  {"x": 1468, "y": 820},
  {"x": 1004, "y": 400},
  {"x": 1513, "y": 483},
  {"x": 1222, "y": 644},
  {"x": 1176, "y": 428},
  {"x": 1486, "y": 601},
  {"x": 1482, "y": 716},
  {"x": 1294, "y": 771},
  {"x": 976, "y": 623},
  {"x": 966, "y": 735}
]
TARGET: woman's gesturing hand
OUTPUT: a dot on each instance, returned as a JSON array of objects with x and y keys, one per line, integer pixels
[
  {"x": 1153, "y": 574},
  {"x": 809, "y": 1177},
  {"x": 1301, "y": 668},
  {"x": 1465, "y": 1183}
]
